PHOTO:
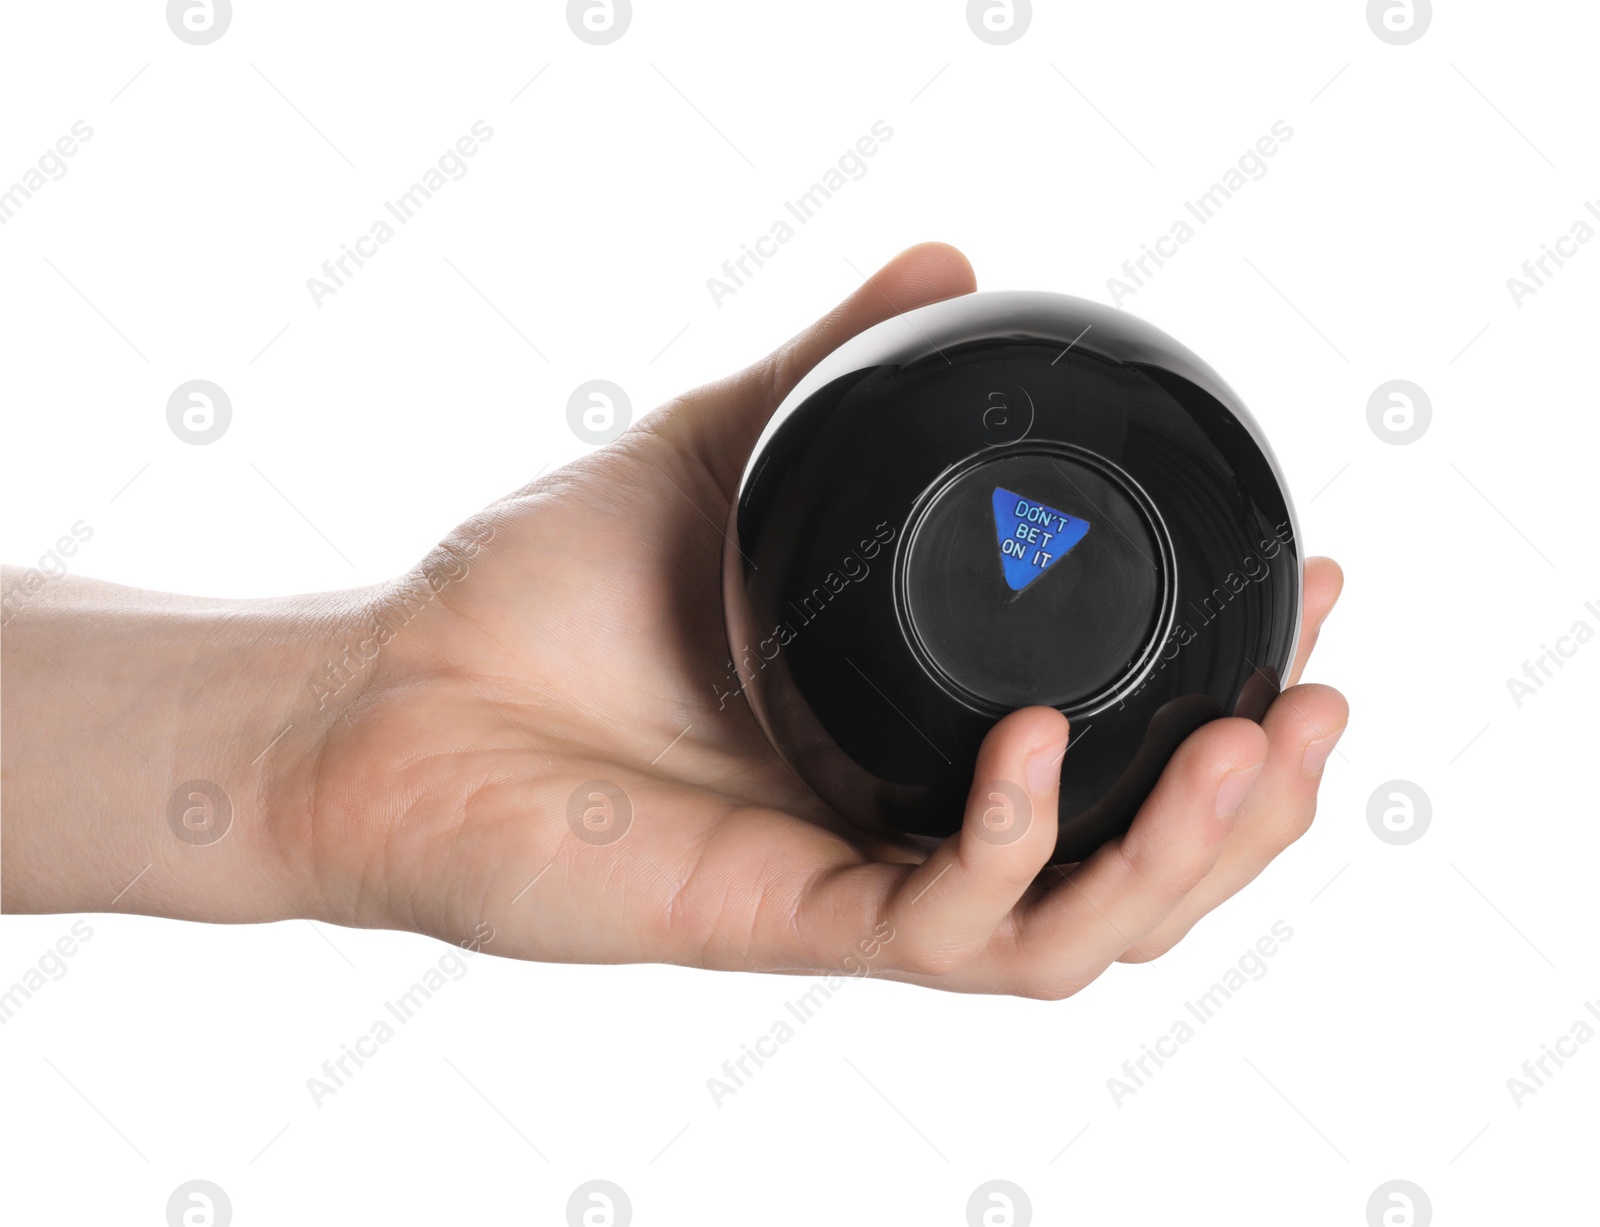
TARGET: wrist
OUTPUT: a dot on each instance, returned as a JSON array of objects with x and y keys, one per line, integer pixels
[{"x": 161, "y": 751}]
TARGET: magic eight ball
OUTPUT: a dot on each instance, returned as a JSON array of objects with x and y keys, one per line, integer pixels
[{"x": 998, "y": 501}]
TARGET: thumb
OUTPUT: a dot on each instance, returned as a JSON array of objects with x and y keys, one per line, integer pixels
[{"x": 721, "y": 421}]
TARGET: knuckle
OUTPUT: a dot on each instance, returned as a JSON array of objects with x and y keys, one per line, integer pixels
[
  {"x": 1149, "y": 950},
  {"x": 931, "y": 959},
  {"x": 1294, "y": 821},
  {"x": 1053, "y": 987},
  {"x": 1173, "y": 869}
]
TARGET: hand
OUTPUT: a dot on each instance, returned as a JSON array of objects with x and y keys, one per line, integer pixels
[
  {"x": 585, "y": 644},
  {"x": 568, "y": 643}
]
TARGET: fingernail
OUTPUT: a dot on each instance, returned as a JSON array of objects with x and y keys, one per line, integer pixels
[
  {"x": 1234, "y": 786},
  {"x": 1044, "y": 769},
  {"x": 1317, "y": 753}
]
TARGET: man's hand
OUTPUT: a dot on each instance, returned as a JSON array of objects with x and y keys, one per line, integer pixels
[{"x": 530, "y": 735}]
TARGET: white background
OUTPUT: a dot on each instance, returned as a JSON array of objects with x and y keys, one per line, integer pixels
[{"x": 1377, "y": 246}]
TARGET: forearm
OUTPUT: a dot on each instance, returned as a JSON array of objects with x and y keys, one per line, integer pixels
[{"x": 115, "y": 701}]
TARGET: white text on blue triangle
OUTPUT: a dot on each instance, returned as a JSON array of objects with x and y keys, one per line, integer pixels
[{"x": 1032, "y": 536}]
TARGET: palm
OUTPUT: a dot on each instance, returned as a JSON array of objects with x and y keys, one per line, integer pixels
[{"x": 583, "y": 644}]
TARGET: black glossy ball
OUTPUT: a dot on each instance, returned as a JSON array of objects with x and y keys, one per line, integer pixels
[{"x": 1003, "y": 500}]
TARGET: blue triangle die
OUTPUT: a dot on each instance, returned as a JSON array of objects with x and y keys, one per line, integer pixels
[{"x": 1032, "y": 537}]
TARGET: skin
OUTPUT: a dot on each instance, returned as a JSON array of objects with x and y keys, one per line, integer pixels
[{"x": 573, "y": 635}]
